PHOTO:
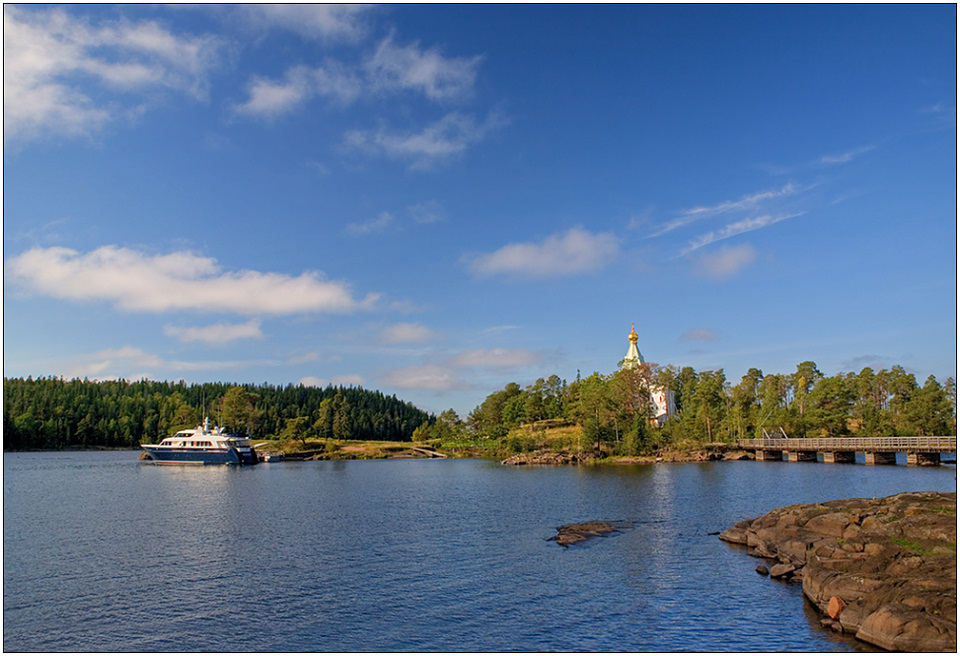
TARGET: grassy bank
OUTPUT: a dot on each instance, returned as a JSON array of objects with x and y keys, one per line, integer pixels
[{"x": 530, "y": 438}]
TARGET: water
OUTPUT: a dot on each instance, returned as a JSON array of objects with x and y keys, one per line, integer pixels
[{"x": 103, "y": 552}]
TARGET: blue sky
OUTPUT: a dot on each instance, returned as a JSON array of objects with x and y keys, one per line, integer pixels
[{"x": 434, "y": 201}]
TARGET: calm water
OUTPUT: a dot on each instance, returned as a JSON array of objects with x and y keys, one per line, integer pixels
[{"x": 103, "y": 552}]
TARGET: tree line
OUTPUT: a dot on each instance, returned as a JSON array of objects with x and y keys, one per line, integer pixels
[
  {"x": 53, "y": 413},
  {"x": 615, "y": 411}
]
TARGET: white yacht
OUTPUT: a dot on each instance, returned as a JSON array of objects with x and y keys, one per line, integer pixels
[{"x": 203, "y": 446}]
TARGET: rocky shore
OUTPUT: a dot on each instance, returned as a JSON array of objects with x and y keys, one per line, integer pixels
[
  {"x": 884, "y": 570},
  {"x": 548, "y": 457},
  {"x": 543, "y": 457}
]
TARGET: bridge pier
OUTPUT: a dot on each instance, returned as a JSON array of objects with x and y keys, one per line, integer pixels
[
  {"x": 839, "y": 456},
  {"x": 801, "y": 456},
  {"x": 768, "y": 455},
  {"x": 880, "y": 458},
  {"x": 923, "y": 459}
]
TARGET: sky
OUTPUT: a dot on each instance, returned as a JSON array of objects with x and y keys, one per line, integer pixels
[{"x": 436, "y": 200}]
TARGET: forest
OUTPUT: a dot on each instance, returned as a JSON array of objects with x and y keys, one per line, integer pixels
[
  {"x": 615, "y": 410},
  {"x": 53, "y": 413}
]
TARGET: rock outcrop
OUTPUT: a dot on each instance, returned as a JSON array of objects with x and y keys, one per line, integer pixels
[
  {"x": 884, "y": 570},
  {"x": 573, "y": 533},
  {"x": 543, "y": 457}
]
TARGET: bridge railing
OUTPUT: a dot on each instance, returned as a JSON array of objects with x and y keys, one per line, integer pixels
[{"x": 897, "y": 444}]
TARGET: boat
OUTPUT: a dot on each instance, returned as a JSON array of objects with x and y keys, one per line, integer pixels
[{"x": 203, "y": 446}]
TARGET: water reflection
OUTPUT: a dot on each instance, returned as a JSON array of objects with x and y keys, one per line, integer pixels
[{"x": 104, "y": 553}]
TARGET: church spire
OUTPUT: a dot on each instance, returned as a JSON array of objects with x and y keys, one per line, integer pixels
[{"x": 633, "y": 357}]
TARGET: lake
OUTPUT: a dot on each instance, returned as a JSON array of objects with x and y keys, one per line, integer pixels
[{"x": 104, "y": 552}]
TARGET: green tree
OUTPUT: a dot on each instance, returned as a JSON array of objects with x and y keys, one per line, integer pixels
[
  {"x": 297, "y": 428},
  {"x": 341, "y": 417},
  {"x": 773, "y": 399},
  {"x": 745, "y": 399},
  {"x": 708, "y": 400},
  {"x": 830, "y": 403},
  {"x": 801, "y": 382},
  {"x": 238, "y": 410}
]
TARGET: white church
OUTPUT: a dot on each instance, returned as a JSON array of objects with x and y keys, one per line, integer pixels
[{"x": 664, "y": 406}]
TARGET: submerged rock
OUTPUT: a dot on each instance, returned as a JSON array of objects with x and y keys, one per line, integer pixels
[
  {"x": 884, "y": 570},
  {"x": 573, "y": 533}
]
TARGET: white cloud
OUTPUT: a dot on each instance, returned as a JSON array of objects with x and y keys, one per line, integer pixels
[
  {"x": 430, "y": 211},
  {"x": 323, "y": 21},
  {"x": 496, "y": 357},
  {"x": 217, "y": 334},
  {"x": 737, "y": 228},
  {"x": 134, "y": 281},
  {"x": 848, "y": 156},
  {"x": 403, "y": 333},
  {"x": 395, "y": 68},
  {"x": 131, "y": 363},
  {"x": 450, "y": 135},
  {"x": 576, "y": 252},
  {"x": 699, "y": 335},
  {"x": 65, "y": 77},
  {"x": 379, "y": 224},
  {"x": 744, "y": 204},
  {"x": 344, "y": 381},
  {"x": 269, "y": 99},
  {"x": 308, "y": 356},
  {"x": 446, "y": 376},
  {"x": 425, "y": 377},
  {"x": 727, "y": 262},
  {"x": 390, "y": 70}
]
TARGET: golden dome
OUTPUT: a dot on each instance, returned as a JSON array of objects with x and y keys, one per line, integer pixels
[{"x": 633, "y": 336}]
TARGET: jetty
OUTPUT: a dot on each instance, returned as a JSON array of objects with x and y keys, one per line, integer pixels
[{"x": 876, "y": 450}]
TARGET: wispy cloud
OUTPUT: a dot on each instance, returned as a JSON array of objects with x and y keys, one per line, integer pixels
[
  {"x": 426, "y": 377},
  {"x": 699, "y": 335},
  {"x": 736, "y": 228},
  {"x": 270, "y": 99},
  {"x": 337, "y": 22},
  {"x": 394, "y": 68},
  {"x": 217, "y": 334},
  {"x": 430, "y": 211},
  {"x": 726, "y": 263},
  {"x": 842, "y": 158},
  {"x": 405, "y": 333},
  {"x": 390, "y": 70},
  {"x": 63, "y": 76},
  {"x": 134, "y": 281},
  {"x": 450, "y": 374},
  {"x": 496, "y": 357},
  {"x": 132, "y": 363},
  {"x": 573, "y": 253},
  {"x": 745, "y": 204},
  {"x": 449, "y": 136},
  {"x": 382, "y": 222}
]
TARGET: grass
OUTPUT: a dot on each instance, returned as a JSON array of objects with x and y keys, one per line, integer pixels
[{"x": 921, "y": 550}]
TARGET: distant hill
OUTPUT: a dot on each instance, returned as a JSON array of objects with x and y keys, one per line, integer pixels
[{"x": 53, "y": 413}]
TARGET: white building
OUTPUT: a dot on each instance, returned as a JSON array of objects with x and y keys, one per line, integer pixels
[{"x": 664, "y": 405}]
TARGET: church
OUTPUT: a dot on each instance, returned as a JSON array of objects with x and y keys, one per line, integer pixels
[{"x": 662, "y": 399}]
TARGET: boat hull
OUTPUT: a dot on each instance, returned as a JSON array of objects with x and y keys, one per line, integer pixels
[{"x": 187, "y": 456}]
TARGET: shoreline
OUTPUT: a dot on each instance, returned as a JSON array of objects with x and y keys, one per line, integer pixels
[{"x": 881, "y": 570}]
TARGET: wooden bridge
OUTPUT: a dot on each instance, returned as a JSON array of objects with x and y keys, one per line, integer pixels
[{"x": 876, "y": 450}]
